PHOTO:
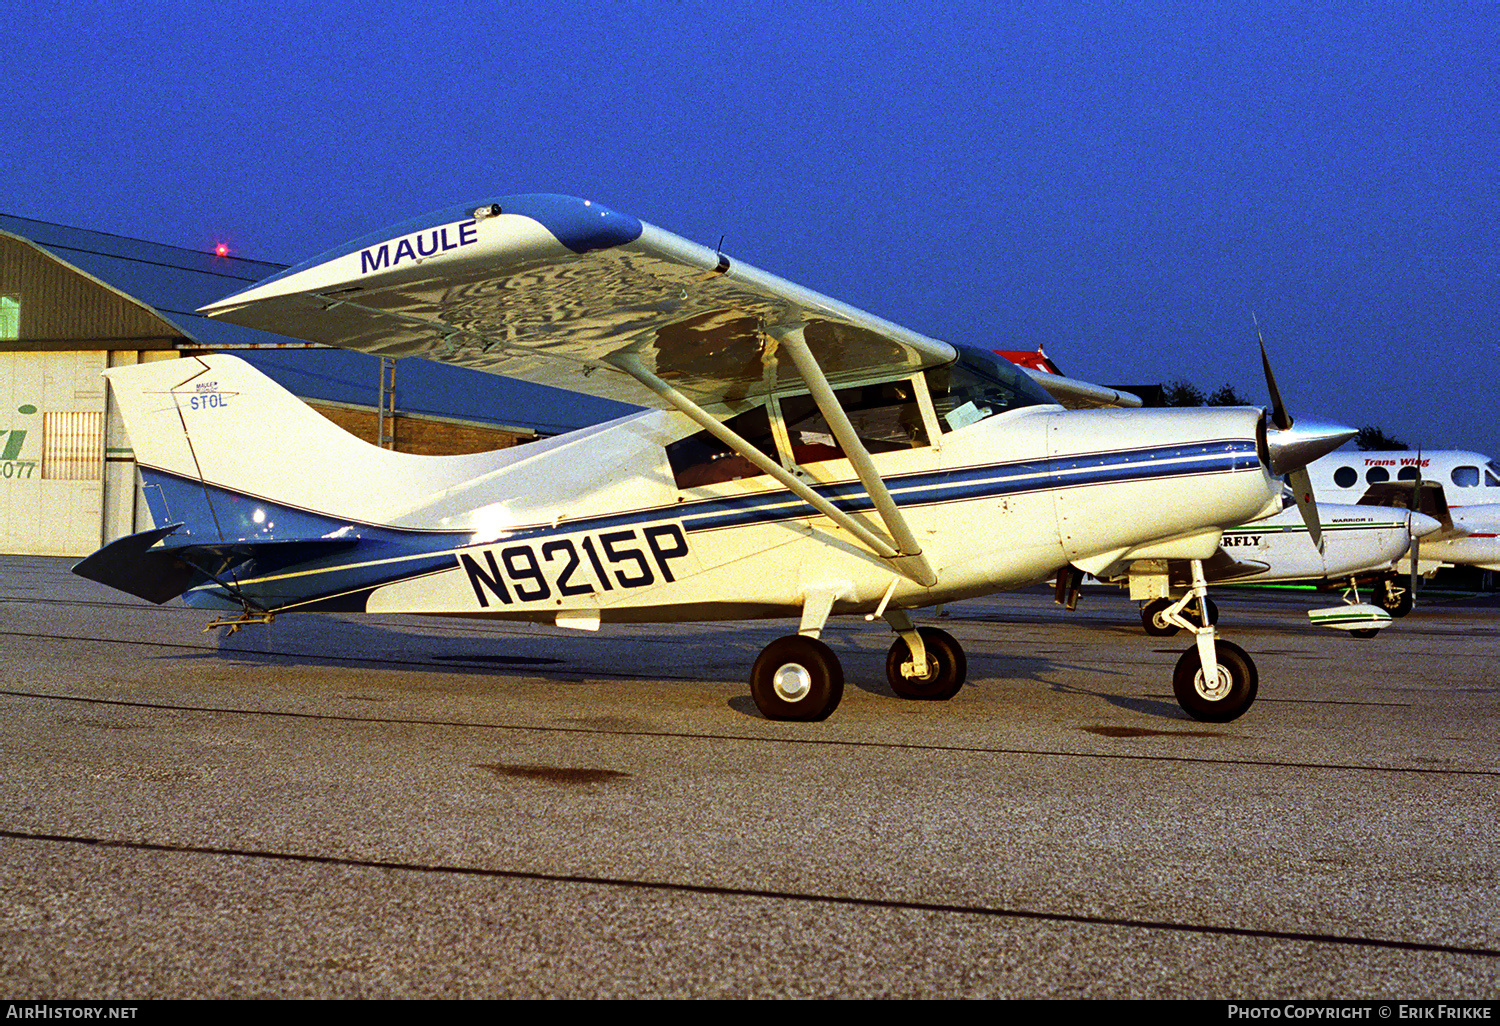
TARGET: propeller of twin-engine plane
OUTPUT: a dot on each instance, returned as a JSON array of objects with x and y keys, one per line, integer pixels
[{"x": 1411, "y": 508}]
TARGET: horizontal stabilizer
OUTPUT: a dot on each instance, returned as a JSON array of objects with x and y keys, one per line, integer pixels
[
  {"x": 131, "y": 565},
  {"x": 1361, "y": 617},
  {"x": 137, "y": 566}
]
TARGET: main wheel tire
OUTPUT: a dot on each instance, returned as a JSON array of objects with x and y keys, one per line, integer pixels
[
  {"x": 1151, "y": 619},
  {"x": 1394, "y": 596},
  {"x": 1370, "y": 633},
  {"x": 1223, "y": 699},
  {"x": 1159, "y": 627},
  {"x": 797, "y": 678},
  {"x": 947, "y": 666}
]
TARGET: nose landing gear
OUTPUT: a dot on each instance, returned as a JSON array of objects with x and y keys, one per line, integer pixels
[{"x": 1215, "y": 681}]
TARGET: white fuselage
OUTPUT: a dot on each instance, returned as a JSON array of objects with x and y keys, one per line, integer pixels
[
  {"x": 593, "y": 526},
  {"x": 997, "y": 505},
  {"x": 1356, "y": 540}
]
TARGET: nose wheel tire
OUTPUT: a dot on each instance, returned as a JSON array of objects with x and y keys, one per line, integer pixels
[
  {"x": 797, "y": 678},
  {"x": 1159, "y": 627},
  {"x": 1224, "y": 697},
  {"x": 947, "y": 666},
  {"x": 1394, "y": 596}
]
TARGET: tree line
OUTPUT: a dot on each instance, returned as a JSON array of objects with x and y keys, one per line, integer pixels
[{"x": 1185, "y": 393}]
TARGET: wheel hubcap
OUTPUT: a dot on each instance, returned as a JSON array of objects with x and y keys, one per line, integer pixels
[
  {"x": 792, "y": 682},
  {"x": 1218, "y": 688}
]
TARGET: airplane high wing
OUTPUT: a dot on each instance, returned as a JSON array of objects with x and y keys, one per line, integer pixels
[
  {"x": 569, "y": 293},
  {"x": 798, "y": 458},
  {"x": 1083, "y": 395}
]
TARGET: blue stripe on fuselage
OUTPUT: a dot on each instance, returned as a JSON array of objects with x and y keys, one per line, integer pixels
[{"x": 388, "y": 554}]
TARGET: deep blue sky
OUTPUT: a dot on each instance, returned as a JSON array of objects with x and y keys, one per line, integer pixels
[{"x": 1124, "y": 188}]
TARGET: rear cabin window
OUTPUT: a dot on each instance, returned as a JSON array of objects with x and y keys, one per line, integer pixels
[
  {"x": 702, "y": 459},
  {"x": 886, "y": 418}
]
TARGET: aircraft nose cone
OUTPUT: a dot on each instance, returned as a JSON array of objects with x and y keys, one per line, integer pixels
[
  {"x": 1294, "y": 447},
  {"x": 1422, "y": 525}
]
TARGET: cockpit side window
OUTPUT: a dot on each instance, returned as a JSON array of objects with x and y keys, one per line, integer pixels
[
  {"x": 703, "y": 459},
  {"x": 979, "y": 385},
  {"x": 1465, "y": 477}
]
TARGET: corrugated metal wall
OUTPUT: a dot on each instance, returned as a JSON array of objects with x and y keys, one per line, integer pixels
[{"x": 60, "y": 308}]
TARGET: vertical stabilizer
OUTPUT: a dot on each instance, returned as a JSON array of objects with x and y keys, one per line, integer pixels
[{"x": 232, "y": 455}]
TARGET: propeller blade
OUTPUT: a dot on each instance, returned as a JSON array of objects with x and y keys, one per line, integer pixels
[
  {"x": 1289, "y": 450},
  {"x": 1279, "y": 416},
  {"x": 1411, "y": 507},
  {"x": 1412, "y": 579},
  {"x": 1302, "y": 491}
]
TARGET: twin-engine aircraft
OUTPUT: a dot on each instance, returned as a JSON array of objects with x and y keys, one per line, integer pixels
[
  {"x": 801, "y": 458},
  {"x": 1358, "y": 542},
  {"x": 1460, "y": 489}
]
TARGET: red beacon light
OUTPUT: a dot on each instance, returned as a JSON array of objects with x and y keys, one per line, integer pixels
[{"x": 222, "y": 249}]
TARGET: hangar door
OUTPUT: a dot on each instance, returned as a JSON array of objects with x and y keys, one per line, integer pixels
[{"x": 51, "y": 452}]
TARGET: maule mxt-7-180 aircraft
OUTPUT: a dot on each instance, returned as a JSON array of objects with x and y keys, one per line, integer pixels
[{"x": 800, "y": 458}]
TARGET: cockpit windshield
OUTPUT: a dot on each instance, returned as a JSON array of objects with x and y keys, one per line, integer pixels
[
  {"x": 978, "y": 385},
  {"x": 1492, "y": 474}
]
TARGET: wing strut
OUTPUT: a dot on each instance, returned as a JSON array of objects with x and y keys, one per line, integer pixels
[
  {"x": 912, "y": 566},
  {"x": 915, "y": 564}
]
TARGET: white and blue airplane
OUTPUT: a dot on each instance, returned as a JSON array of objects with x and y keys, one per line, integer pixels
[{"x": 799, "y": 458}]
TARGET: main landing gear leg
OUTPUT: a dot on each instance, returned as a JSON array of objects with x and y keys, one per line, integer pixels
[
  {"x": 1215, "y": 680},
  {"x": 798, "y": 677},
  {"x": 923, "y": 663}
]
